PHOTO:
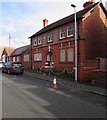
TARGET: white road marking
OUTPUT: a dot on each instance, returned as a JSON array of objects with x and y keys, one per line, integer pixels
[{"x": 59, "y": 92}]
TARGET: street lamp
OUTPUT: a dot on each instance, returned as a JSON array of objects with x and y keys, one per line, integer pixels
[{"x": 72, "y": 5}]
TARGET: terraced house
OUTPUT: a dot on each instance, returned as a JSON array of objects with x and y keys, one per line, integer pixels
[
  {"x": 54, "y": 44},
  {"x": 23, "y": 55}
]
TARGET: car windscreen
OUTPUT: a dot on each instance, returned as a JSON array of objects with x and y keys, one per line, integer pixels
[{"x": 17, "y": 64}]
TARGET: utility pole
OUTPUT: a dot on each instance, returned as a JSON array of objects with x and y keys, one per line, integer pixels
[{"x": 9, "y": 45}]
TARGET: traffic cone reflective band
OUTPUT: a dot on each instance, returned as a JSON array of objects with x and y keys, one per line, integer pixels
[{"x": 54, "y": 82}]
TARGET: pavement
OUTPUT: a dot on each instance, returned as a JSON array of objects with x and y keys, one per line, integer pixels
[{"x": 70, "y": 84}]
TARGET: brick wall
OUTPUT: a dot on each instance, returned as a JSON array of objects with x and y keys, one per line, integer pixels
[
  {"x": 99, "y": 77},
  {"x": 95, "y": 34},
  {"x": 91, "y": 45}
]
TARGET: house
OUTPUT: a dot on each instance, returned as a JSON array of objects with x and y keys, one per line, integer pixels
[
  {"x": 23, "y": 55},
  {"x": 1, "y": 51},
  {"x": 5, "y": 53},
  {"x": 53, "y": 45}
]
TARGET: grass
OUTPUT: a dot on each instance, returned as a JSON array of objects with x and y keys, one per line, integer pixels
[
  {"x": 65, "y": 75},
  {"x": 59, "y": 74}
]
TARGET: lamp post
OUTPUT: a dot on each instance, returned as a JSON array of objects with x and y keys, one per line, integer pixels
[{"x": 72, "y": 5}]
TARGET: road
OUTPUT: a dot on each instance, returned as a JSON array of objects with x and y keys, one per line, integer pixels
[{"x": 27, "y": 97}]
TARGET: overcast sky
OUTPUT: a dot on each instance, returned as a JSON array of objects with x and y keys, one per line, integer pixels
[{"x": 23, "y": 18}]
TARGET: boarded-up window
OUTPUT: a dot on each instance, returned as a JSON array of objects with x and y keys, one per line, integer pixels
[
  {"x": 50, "y": 57},
  {"x": 26, "y": 57},
  {"x": 62, "y": 55},
  {"x": 70, "y": 55},
  {"x": 37, "y": 56}
]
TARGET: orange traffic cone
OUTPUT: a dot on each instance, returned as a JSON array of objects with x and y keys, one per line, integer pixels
[{"x": 54, "y": 83}]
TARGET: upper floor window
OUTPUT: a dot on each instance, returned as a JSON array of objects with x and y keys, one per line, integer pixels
[
  {"x": 62, "y": 33},
  {"x": 35, "y": 42},
  {"x": 50, "y": 37},
  {"x": 70, "y": 31},
  {"x": 39, "y": 40}
]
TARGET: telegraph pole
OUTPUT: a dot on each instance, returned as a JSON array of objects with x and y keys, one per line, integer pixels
[{"x": 9, "y": 45}]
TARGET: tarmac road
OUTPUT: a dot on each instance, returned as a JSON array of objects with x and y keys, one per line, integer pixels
[{"x": 28, "y": 97}]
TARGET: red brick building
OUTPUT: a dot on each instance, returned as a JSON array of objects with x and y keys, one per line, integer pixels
[
  {"x": 54, "y": 43},
  {"x": 5, "y": 53},
  {"x": 23, "y": 55}
]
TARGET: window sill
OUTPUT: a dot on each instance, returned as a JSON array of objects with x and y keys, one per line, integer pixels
[{"x": 70, "y": 36}]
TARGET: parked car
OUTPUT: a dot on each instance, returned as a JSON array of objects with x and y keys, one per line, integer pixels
[{"x": 13, "y": 67}]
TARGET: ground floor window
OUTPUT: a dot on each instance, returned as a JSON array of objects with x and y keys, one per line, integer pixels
[
  {"x": 38, "y": 57},
  {"x": 26, "y": 58},
  {"x": 62, "y": 55},
  {"x": 18, "y": 58},
  {"x": 50, "y": 57},
  {"x": 13, "y": 59},
  {"x": 70, "y": 52}
]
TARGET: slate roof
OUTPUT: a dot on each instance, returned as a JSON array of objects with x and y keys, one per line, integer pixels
[
  {"x": 20, "y": 50},
  {"x": 65, "y": 20}
]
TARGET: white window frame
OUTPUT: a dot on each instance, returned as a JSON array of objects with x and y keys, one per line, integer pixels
[
  {"x": 35, "y": 42},
  {"x": 70, "y": 30},
  {"x": 39, "y": 40},
  {"x": 50, "y": 37},
  {"x": 62, "y": 33}
]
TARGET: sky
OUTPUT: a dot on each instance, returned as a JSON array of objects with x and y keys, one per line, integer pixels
[{"x": 21, "y": 19}]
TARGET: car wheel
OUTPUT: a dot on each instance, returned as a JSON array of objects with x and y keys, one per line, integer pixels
[
  {"x": 8, "y": 71},
  {"x": 21, "y": 73}
]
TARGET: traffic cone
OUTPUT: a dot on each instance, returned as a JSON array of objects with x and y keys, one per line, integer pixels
[{"x": 54, "y": 83}]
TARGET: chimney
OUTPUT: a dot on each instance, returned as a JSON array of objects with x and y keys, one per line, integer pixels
[
  {"x": 88, "y": 4},
  {"x": 45, "y": 22}
]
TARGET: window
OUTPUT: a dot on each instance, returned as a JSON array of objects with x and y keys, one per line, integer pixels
[
  {"x": 13, "y": 59},
  {"x": 62, "y": 33},
  {"x": 50, "y": 57},
  {"x": 26, "y": 57},
  {"x": 35, "y": 42},
  {"x": 38, "y": 57},
  {"x": 18, "y": 59},
  {"x": 62, "y": 55},
  {"x": 70, "y": 31},
  {"x": 70, "y": 55},
  {"x": 50, "y": 37},
  {"x": 40, "y": 40}
]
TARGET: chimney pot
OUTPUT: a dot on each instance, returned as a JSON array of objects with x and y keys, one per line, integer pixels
[
  {"x": 45, "y": 22},
  {"x": 88, "y": 4}
]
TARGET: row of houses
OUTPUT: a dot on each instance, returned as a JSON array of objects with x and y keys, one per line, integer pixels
[
  {"x": 54, "y": 44},
  {"x": 5, "y": 53}
]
